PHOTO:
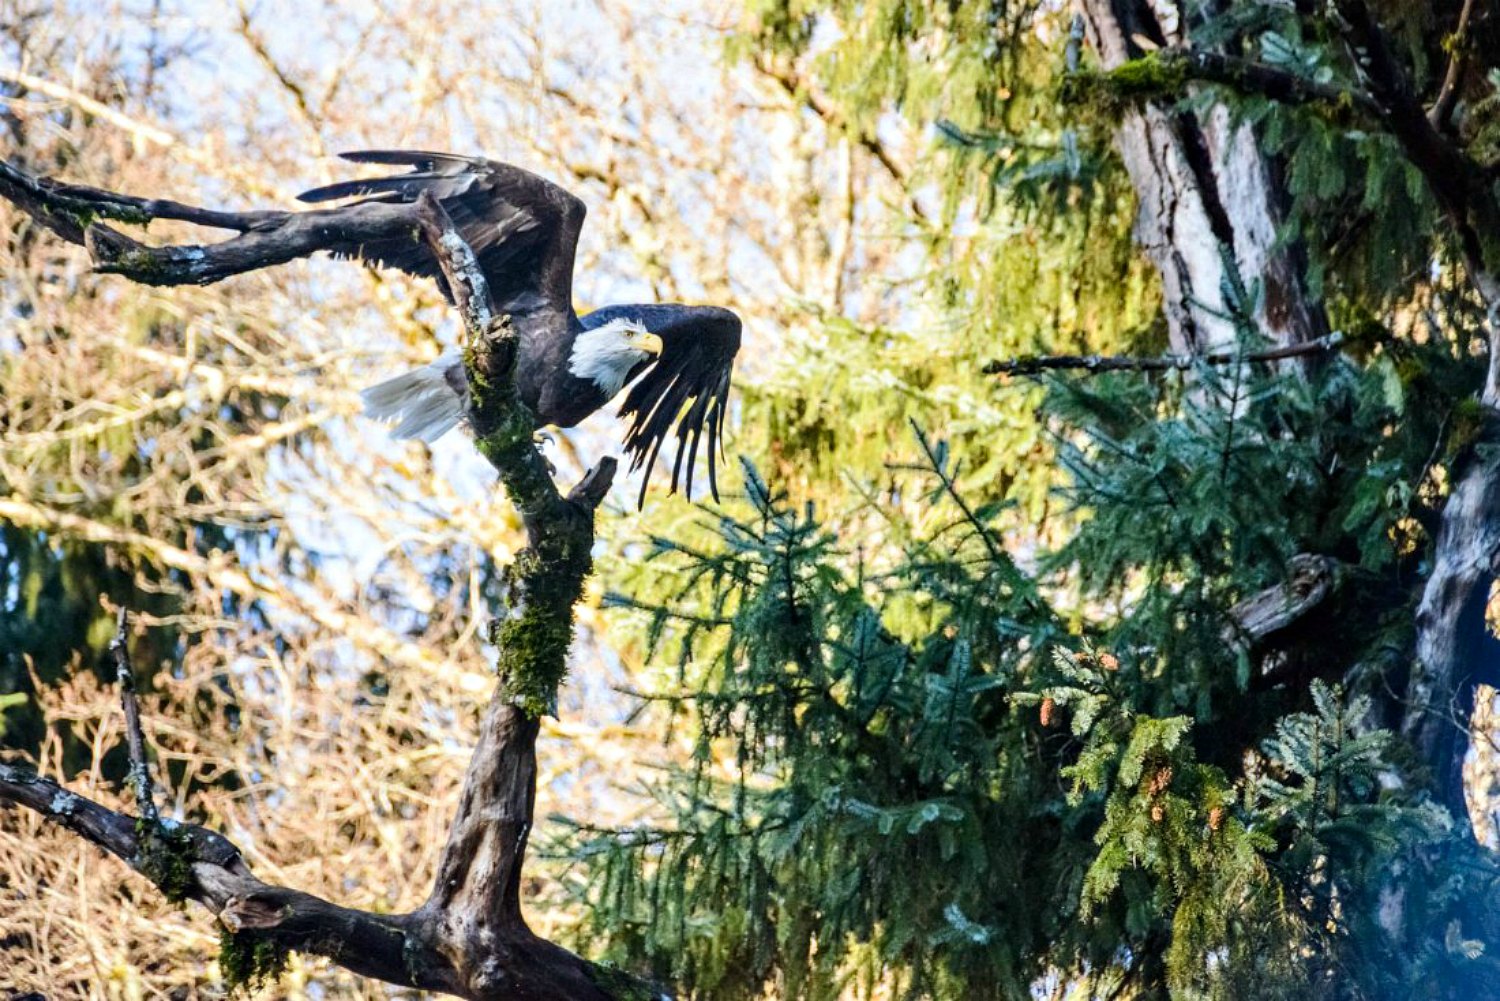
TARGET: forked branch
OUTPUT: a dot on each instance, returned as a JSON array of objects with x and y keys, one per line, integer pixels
[{"x": 470, "y": 938}]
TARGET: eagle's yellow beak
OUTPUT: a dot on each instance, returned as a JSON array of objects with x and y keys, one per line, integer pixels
[{"x": 650, "y": 343}]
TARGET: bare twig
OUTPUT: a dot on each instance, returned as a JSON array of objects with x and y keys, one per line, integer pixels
[
  {"x": 298, "y": 94},
  {"x": 1094, "y": 364},
  {"x": 1441, "y": 111},
  {"x": 83, "y": 102},
  {"x": 800, "y": 89},
  {"x": 135, "y": 740}
]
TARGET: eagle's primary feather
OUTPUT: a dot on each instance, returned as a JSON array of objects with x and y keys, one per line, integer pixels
[{"x": 524, "y": 232}]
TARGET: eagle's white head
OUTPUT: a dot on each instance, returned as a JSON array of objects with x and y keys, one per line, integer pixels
[{"x": 606, "y": 354}]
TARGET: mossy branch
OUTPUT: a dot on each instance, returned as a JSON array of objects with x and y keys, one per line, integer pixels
[
  {"x": 1096, "y": 364},
  {"x": 470, "y": 938},
  {"x": 534, "y": 637},
  {"x": 1164, "y": 75}
]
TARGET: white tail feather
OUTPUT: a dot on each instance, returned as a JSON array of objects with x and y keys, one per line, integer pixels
[{"x": 426, "y": 403}]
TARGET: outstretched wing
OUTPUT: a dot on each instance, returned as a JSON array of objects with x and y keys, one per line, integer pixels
[
  {"x": 687, "y": 385},
  {"x": 523, "y": 228}
]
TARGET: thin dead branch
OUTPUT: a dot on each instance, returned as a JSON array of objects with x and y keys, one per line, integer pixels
[
  {"x": 803, "y": 91},
  {"x": 1441, "y": 112},
  {"x": 1094, "y": 364},
  {"x": 135, "y": 740}
]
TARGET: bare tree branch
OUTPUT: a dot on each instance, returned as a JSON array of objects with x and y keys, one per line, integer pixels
[
  {"x": 800, "y": 89},
  {"x": 1094, "y": 364},
  {"x": 1442, "y": 108},
  {"x": 372, "y": 945},
  {"x": 1311, "y": 578},
  {"x": 140, "y": 769},
  {"x": 83, "y": 102},
  {"x": 69, "y": 209},
  {"x": 470, "y": 937}
]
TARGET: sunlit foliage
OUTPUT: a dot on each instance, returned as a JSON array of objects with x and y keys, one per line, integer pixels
[{"x": 975, "y": 712}]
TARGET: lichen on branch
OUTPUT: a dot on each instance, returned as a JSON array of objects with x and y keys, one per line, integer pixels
[{"x": 534, "y": 634}]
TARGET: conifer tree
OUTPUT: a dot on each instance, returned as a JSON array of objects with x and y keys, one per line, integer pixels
[{"x": 1181, "y": 712}]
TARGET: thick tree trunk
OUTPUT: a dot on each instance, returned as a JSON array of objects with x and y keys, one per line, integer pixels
[
  {"x": 1454, "y": 647},
  {"x": 1209, "y": 201},
  {"x": 1209, "y": 208}
]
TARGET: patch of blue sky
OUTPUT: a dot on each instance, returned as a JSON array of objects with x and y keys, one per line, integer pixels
[{"x": 575, "y": 47}]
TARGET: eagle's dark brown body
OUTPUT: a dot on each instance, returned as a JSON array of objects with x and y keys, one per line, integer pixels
[{"x": 524, "y": 231}]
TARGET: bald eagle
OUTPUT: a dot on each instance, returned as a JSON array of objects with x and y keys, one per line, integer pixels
[{"x": 524, "y": 232}]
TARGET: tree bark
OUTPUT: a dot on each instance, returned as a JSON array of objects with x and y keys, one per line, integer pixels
[
  {"x": 1205, "y": 188},
  {"x": 1210, "y": 210},
  {"x": 470, "y": 938},
  {"x": 1454, "y": 648}
]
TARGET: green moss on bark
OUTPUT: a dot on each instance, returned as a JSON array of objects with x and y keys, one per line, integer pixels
[
  {"x": 1109, "y": 94},
  {"x": 248, "y": 961},
  {"x": 534, "y": 638},
  {"x": 166, "y": 855}
]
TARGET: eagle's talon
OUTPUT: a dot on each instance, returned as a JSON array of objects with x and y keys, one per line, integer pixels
[{"x": 539, "y": 440}]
